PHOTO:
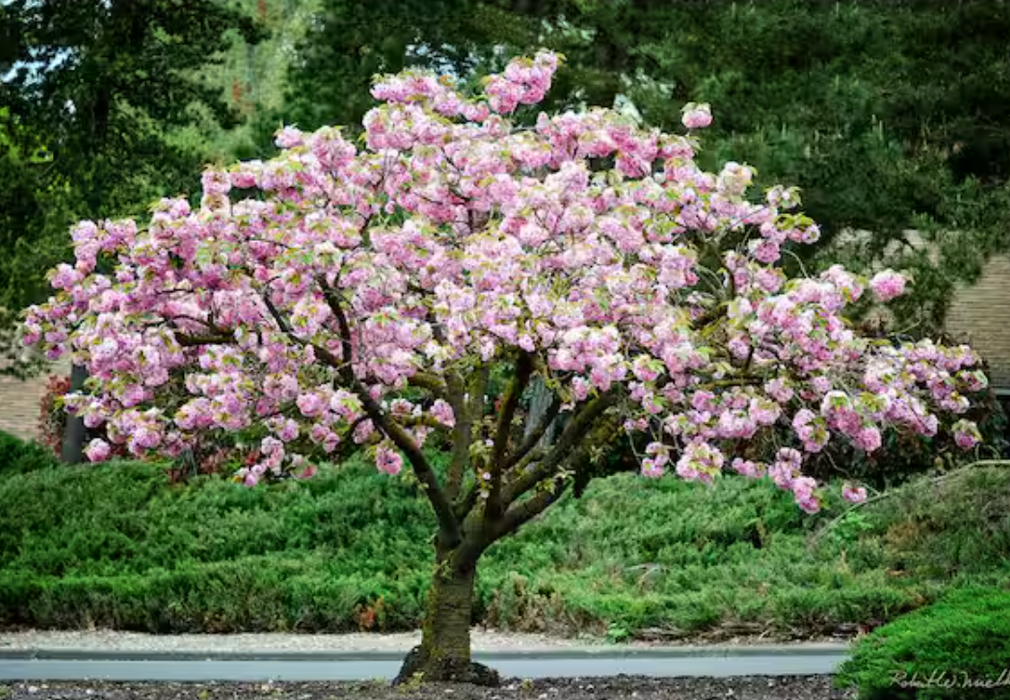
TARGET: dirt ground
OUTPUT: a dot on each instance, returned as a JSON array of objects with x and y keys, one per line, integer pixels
[{"x": 745, "y": 688}]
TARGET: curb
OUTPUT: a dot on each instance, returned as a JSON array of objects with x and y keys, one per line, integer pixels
[{"x": 84, "y": 654}]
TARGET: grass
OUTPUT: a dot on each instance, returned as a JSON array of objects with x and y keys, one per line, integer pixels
[
  {"x": 954, "y": 648},
  {"x": 116, "y": 546}
]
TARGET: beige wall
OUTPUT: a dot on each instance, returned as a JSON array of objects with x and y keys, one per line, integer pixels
[
  {"x": 980, "y": 316},
  {"x": 19, "y": 405}
]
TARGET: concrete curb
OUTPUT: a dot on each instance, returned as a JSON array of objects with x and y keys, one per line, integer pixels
[{"x": 610, "y": 652}]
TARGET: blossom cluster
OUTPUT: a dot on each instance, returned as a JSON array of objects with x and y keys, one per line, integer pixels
[{"x": 454, "y": 239}]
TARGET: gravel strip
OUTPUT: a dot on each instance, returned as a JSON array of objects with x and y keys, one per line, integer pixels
[
  {"x": 134, "y": 641},
  {"x": 750, "y": 688},
  {"x": 481, "y": 640}
]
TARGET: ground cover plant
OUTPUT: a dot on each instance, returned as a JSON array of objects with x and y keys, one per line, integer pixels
[
  {"x": 956, "y": 648},
  {"x": 119, "y": 546}
]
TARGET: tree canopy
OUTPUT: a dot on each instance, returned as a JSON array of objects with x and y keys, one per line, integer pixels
[{"x": 340, "y": 294}]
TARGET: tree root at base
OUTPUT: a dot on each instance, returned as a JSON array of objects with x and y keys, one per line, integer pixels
[{"x": 443, "y": 670}]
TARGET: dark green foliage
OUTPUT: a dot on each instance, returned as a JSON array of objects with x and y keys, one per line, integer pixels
[
  {"x": 956, "y": 527},
  {"x": 964, "y": 638},
  {"x": 93, "y": 96},
  {"x": 33, "y": 198},
  {"x": 116, "y": 545},
  {"x": 19, "y": 457},
  {"x": 130, "y": 68},
  {"x": 358, "y": 39}
]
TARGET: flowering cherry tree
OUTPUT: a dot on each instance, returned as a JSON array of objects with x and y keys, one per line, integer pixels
[{"x": 342, "y": 294}]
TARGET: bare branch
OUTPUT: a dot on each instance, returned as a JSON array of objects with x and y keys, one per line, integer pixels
[
  {"x": 575, "y": 431},
  {"x": 449, "y": 529},
  {"x": 523, "y": 368}
]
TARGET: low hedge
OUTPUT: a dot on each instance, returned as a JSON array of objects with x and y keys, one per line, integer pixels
[
  {"x": 20, "y": 457},
  {"x": 958, "y": 647}
]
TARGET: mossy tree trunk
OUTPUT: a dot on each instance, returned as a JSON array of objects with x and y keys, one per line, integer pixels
[
  {"x": 522, "y": 482},
  {"x": 444, "y": 652}
]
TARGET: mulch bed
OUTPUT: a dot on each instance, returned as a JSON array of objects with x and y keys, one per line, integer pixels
[{"x": 743, "y": 688}]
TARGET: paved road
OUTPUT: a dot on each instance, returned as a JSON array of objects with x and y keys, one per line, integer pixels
[{"x": 39, "y": 665}]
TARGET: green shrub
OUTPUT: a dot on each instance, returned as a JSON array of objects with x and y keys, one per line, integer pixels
[
  {"x": 117, "y": 545},
  {"x": 941, "y": 530},
  {"x": 940, "y": 651},
  {"x": 19, "y": 457}
]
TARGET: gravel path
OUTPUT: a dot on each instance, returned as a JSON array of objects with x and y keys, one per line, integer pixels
[
  {"x": 135, "y": 641},
  {"x": 481, "y": 640},
  {"x": 753, "y": 688}
]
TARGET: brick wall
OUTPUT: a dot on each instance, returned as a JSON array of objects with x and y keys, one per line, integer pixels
[
  {"x": 19, "y": 401},
  {"x": 980, "y": 315},
  {"x": 19, "y": 405}
]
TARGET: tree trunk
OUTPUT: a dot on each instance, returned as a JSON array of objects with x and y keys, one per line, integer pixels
[
  {"x": 72, "y": 451},
  {"x": 540, "y": 401},
  {"x": 444, "y": 653}
]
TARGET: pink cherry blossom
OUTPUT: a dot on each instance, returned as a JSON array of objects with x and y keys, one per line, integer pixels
[
  {"x": 853, "y": 494},
  {"x": 388, "y": 461},
  {"x": 98, "y": 450},
  {"x": 966, "y": 434},
  {"x": 442, "y": 412},
  {"x": 352, "y": 293},
  {"x": 887, "y": 285},
  {"x": 697, "y": 116}
]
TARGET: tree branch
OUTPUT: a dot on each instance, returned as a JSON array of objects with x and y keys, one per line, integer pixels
[
  {"x": 464, "y": 504},
  {"x": 285, "y": 327},
  {"x": 423, "y": 380},
  {"x": 575, "y": 431},
  {"x": 523, "y": 368},
  {"x": 470, "y": 410},
  {"x": 709, "y": 317},
  {"x": 449, "y": 530},
  {"x": 521, "y": 513},
  {"x": 461, "y": 432},
  {"x": 192, "y": 341},
  {"x": 537, "y": 435},
  {"x": 282, "y": 322},
  {"x": 731, "y": 382}
]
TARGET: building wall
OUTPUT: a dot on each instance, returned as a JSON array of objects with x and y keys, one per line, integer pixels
[
  {"x": 19, "y": 405},
  {"x": 980, "y": 316}
]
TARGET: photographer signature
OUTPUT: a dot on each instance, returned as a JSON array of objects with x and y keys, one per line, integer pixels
[{"x": 948, "y": 679}]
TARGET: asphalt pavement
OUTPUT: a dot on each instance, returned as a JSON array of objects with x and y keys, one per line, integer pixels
[{"x": 65, "y": 664}]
